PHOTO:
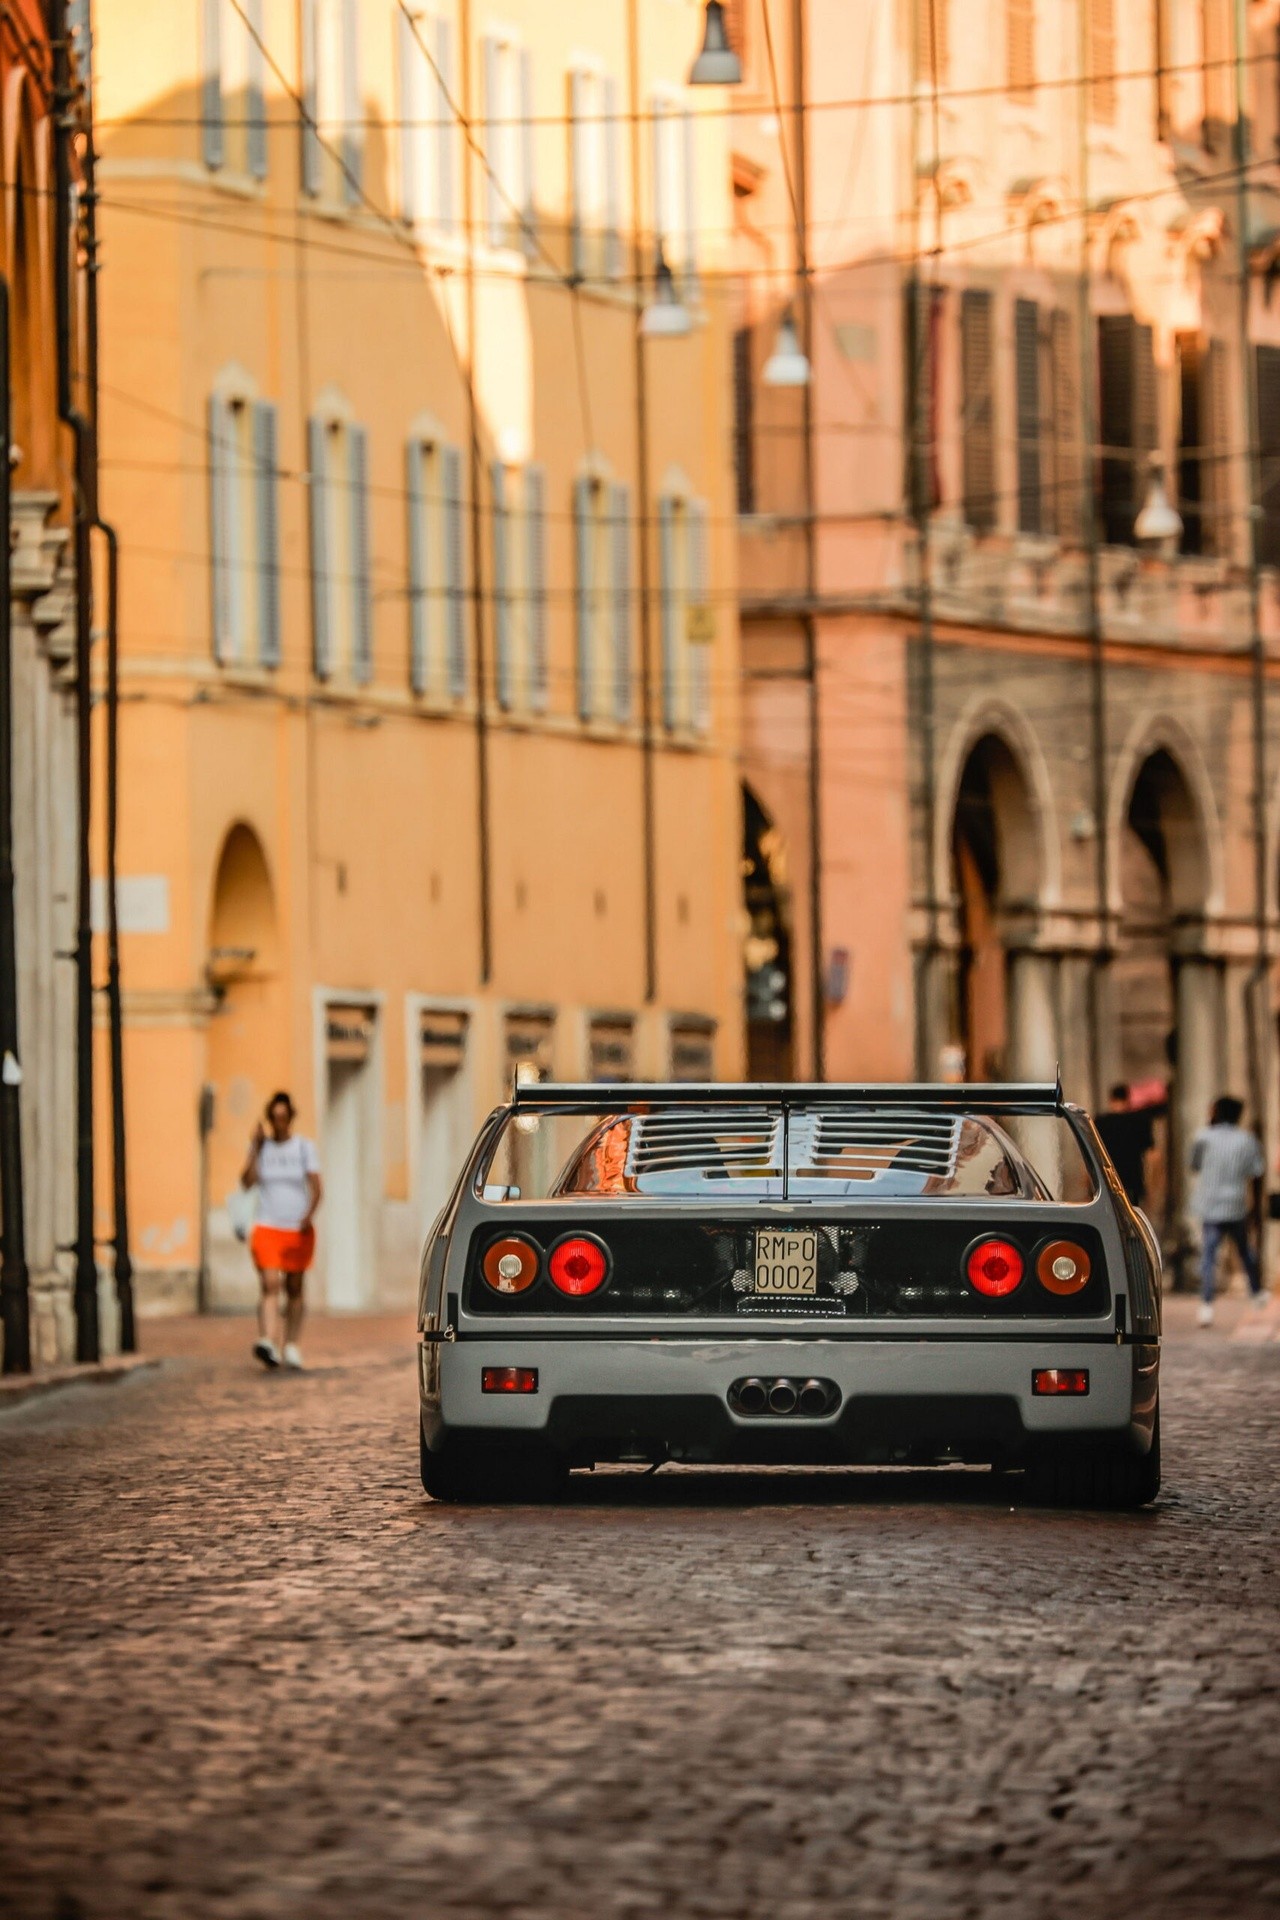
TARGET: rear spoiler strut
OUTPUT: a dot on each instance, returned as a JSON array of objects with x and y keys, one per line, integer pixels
[{"x": 592, "y": 1097}]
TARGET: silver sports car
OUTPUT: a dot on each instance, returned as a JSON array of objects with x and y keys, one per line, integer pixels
[{"x": 790, "y": 1274}]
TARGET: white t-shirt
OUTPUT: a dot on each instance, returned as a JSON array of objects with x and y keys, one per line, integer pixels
[{"x": 283, "y": 1193}]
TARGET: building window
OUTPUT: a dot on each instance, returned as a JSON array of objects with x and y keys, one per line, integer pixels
[
  {"x": 744, "y": 451},
  {"x": 675, "y": 203},
  {"x": 1127, "y": 422},
  {"x": 332, "y": 120},
  {"x": 233, "y": 116},
  {"x": 244, "y": 530},
  {"x": 511, "y": 218},
  {"x": 1268, "y": 379},
  {"x": 1020, "y": 49},
  {"x": 595, "y": 174},
  {"x": 1101, "y": 25},
  {"x": 602, "y": 598},
  {"x": 933, "y": 42},
  {"x": 1203, "y": 449},
  {"x": 428, "y": 130},
  {"x": 519, "y": 587},
  {"x": 923, "y": 314},
  {"x": 977, "y": 399},
  {"x": 341, "y": 597},
  {"x": 684, "y": 595},
  {"x": 437, "y": 599}
]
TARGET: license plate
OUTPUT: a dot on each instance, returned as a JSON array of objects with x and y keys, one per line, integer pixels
[{"x": 787, "y": 1264}]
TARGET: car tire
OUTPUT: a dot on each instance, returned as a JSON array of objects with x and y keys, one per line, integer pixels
[
  {"x": 1113, "y": 1481},
  {"x": 463, "y": 1474}
]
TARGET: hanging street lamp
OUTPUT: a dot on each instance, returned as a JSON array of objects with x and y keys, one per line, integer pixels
[{"x": 717, "y": 65}]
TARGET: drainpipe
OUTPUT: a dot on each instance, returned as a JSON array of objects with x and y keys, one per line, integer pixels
[
  {"x": 1256, "y": 986},
  {"x": 805, "y": 315},
  {"x": 477, "y": 524},
  {"x": 123, "y": 1258},
  {"x": 15, "y": 1298},
  {"x": 1093, "y": 580},
  {"x": 639, "y": 270},
  {"x": 88, "y": 1343}
]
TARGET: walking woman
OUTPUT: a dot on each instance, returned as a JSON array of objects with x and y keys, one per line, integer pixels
[{"x": 285, "y": 1168}]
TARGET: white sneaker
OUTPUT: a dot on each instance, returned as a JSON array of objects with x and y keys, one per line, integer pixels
[
  {"x": 266, "y": 1351},
  {"x": 1204, "y": 1318},
  {"x": 293, "y": 1357},
  {"x": 1262, "y": 1298}
]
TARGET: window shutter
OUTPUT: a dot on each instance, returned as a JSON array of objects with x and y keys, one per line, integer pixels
[
  {"x": 352, "y": 143},
  {"x": 256, "y": 91},
  {"x": 1020, "y": 48},
  {"x": 446, "y": 135},
  {"x": 933, "y": 40},
  {"x": 266, "y": 487},
  {"x": 978, "y": 421},
  {"x": 411, "y": 134},
  {"x": 1102, "y": 60},
  {"x": 361, "y": 585},
  {"x": 699, "y": 594},
  {"x": 669, "y": 605},
  {"x": 620, "y": 595},
  {"x": 585, "y": 590},
  {"x": 1215, "y": 416},
  {"x": 1066, "y": 417},
  {"x": 454, "y": 569},
  {"x": 504, "y": 676},
  {"x": 528, "y": 154},
  {"x": 312, "y": 153},
  {"x": 1268, "y": 381},
  {"x": 578, "y": 171},
  {"x": 743, "y": 422},
  {"x": 1026, "y": 329},
  {"x": 535, "y": 532},
  {"x": 419, "y": 564},
  {"x": 1116, "y": 413},
  {"x": 211, "y": 84},
  {"x": 690, "y": 170},
  {"x": 221, "y": 515},
  {"x": 613, "y": 261},
  {"x": 495, "y": 142},
  {"x": 321, "y": 636},
  {"x": 1191, "y": 475}
]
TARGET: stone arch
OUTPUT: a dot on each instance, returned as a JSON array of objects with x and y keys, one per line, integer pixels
[
  {"x": 247, "y": 1051},
  {"x": 1195, "y": 847},
  {"x": 768, "y": 950},
  {"x": 1037, "y": 845}
]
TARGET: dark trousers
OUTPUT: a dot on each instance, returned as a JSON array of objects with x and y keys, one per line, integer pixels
[{"x": 1215, "y": 1232}]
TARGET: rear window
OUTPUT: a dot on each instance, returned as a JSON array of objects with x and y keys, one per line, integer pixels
[{"x": 739, "y": 1153}]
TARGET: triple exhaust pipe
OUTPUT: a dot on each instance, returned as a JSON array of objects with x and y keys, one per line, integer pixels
[{"x": 811, "y": 1399}]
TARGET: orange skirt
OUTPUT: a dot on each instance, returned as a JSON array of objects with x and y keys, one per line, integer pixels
[{"x": 283, "y": 1249}]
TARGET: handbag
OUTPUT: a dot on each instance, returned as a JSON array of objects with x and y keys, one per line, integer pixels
[{"x": 242, "y": 1208}]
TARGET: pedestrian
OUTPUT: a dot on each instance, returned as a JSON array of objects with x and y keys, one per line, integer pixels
[
  {"x": 285, "y": 1168},
  {"x": 1228, "y": 1160},
  {"x": 1128, "y": 1134}
]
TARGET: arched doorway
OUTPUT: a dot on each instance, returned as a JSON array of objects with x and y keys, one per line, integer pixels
[
  {"x": 767, "y": 946},
  {"x": 247, "y": 1050},
  {"x": 1168, "y": 999},
  {"x": 1006, "y": 1018}
]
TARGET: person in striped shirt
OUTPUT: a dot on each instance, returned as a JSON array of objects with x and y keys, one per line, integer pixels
[{"x": 1227, "y": 1158}]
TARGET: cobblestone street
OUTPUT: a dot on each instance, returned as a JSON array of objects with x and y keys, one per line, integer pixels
[{"x": 250, "y": 1670}]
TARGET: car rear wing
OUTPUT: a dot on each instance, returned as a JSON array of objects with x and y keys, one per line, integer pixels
[{"x": 593, "y": 1097}]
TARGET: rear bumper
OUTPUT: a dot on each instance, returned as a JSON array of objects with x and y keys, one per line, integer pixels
[{"x": 909, "y": 1400}]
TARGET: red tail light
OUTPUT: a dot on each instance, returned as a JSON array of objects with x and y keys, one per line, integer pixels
[
  {"x": 1063, "y": 1268},
  {"x": 994, "y": 1268},
  {"x": 578, "y": 1266},
  {"x": 1060, "y": 1380},
  {"x": 508, "y": 1379},
  {"x": 511, "y": 1265}
]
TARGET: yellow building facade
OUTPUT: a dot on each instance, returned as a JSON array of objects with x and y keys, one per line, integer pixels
[{"x": 429, "y": 656}]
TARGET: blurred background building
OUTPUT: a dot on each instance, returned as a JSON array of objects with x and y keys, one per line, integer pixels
[
  {"x": 1007, "y": 560},
  {"x": 422, "y": 473}
]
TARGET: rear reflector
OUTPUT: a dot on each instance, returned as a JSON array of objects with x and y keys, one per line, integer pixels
[
  {"x": 509, "y": 1380},
  {"x": 1060, "y": 1380}
]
